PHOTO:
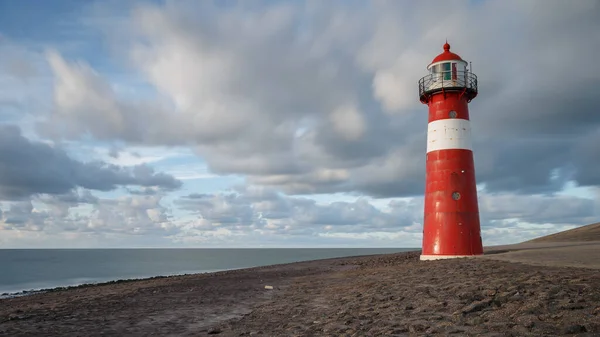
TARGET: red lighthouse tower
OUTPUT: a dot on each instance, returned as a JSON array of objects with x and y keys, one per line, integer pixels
[{"x": 451, "y": 219}]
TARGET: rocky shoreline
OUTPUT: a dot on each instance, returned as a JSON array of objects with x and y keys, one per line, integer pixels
[
  {"x": 79, "y": 286},
  {"x": 384, "y": 295}
]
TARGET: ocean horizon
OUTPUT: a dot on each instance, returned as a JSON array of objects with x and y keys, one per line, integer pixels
[{"x": 29, "y": 270}]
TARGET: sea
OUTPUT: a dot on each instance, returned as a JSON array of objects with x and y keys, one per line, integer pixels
[{"x": 24, "y": 271}]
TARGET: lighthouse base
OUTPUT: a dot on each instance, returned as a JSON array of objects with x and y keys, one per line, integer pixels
[{"x": 442, "y": 257}]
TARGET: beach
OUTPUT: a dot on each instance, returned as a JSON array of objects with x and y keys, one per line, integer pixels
[{"x": 510, "y": 291}]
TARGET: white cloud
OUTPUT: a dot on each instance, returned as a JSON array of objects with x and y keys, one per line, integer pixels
[
  {"x": 84, "y": 213},
  {"x": 287, "y": 92},
  {"x": 538, "y": 208},
  {"x": 348, "y": 122},
  {"x": 259, "y": 210},
  {"x": 191, "y": 172},
  {"x": 306, "y": 98},
  {"x": 254, "y": 216}
]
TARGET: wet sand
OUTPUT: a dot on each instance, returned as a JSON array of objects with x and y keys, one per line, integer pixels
[{"x": 512, "y": 291}]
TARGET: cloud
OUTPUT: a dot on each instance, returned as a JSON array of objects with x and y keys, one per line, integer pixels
[
  {"x": 250, "y": 216},
  {"x": 307, "y": 98},
  {"x": 254, "y": 210},
  {"x": 135, "y": 214},
  {"x": 21, "y": 216},
  {"x": 24, "y": 83},
  {"x": 318, "y": 98},
  {"x": 216, "y": 104},
  {"x": 59, "y": 205},
  {"x": 28, "y": 168},
  {"x": 539, "y": 209},
  {"x": 348, "y": 122},
  {"x": 80, "y": 212}
]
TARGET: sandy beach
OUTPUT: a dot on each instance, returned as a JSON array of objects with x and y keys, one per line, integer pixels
[{"x": 512, "y": 291}]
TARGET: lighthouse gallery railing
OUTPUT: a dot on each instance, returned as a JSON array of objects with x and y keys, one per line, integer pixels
[{"x": 464, "y": 81}]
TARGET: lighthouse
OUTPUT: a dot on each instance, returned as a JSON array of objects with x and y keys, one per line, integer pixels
[{"x": 451, "y": 215}]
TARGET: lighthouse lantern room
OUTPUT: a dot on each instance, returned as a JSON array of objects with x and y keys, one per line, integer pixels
[{"x": 451, "y": 226}]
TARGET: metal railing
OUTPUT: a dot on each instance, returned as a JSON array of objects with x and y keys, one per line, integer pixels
[{"x": 464, "y": 81}]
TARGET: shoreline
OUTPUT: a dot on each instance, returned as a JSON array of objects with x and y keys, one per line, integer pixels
[
  {"x": 384, "y": 294},
  {"x": 30, "y": 286},
  {"x": 503, "y": 252},
  {"x": 30, "y": 292},
  {"x": 207, "y": 297}
]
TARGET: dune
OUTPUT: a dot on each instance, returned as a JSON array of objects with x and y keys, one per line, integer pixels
[
  {"x": 578, "y": 247},
  {"x": 579, "y": 234}
]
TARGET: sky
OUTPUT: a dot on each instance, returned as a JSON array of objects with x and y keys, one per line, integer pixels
[{"x": 220, "y": 124}]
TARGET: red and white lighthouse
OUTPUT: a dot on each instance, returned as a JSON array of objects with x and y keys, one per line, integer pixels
[{"x": 451, "y": 219}]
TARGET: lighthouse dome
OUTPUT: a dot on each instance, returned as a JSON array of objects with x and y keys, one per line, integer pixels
[
  {"x": 447, "y": 72},
  {"x": 447, "y": 55}
]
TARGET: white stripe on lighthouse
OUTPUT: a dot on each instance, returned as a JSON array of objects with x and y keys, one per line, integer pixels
[{"x": 445, "y": 134}]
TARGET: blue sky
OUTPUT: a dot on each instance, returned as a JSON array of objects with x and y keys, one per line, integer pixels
[{"x": 284, "y": 124}]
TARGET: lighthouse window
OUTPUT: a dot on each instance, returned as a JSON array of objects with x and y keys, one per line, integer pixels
[
  {"x": 446, "y": 70},
  {"x": 452, "y": 114}
]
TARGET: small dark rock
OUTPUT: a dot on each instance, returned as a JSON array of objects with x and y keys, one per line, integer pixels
[
  {"x": 214, "y": 331},
  {"x": 573, "y": 306},
  {"x": 573, "y": 329},
  {"x": 418, "y": 327},
  {"x": 400, "y": 330},
  {"x": 529, "y": 324}
]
